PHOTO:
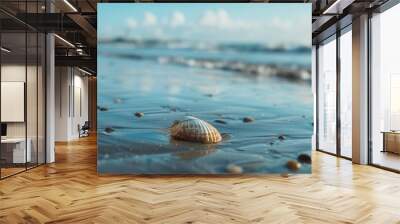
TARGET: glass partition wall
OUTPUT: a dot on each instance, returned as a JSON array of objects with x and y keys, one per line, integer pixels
[
  {"x": 22, "y": 77},
  {"x": 334, "y": 83}
]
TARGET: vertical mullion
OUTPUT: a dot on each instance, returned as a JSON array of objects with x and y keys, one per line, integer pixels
[
  {"x": 369, "y": 74},
  {"x": 26, "y": 86},
  {"x": 317, "y": 96},
  {"x": 37, "y": 90},
  {"x": 0, "y": 95},
  {"x": 73, "y": 92},
  {"x": 45, "y": 87},
  {"x": 338, "y": 81}
]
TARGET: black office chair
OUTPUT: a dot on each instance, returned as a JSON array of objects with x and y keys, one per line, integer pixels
[{"x": 84, "y": 130}]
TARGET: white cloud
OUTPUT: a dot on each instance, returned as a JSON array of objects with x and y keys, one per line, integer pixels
[
  {"x": 131, "y": 23},
  {"x": 222, "y": 20},
  {"x": 177, "y": 19},
  {"x": 216, "y": 18},
  {"x": 150, "y": 19},
  {"x": 280, "y": 23}
]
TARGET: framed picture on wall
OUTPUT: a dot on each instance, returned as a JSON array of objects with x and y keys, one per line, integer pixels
[{"x": 204, "y": 88}]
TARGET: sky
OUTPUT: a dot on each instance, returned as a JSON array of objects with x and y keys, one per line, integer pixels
[{"x": 271, "y": 24}]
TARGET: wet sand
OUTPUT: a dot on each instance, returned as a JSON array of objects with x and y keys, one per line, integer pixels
[{"x": 163, "y": 92}]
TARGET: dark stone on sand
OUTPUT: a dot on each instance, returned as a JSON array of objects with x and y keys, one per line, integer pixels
[
  {"x": 248, "y": 119},
  {"x": 281, "y": 137},
  {"x": 220, "y": 121},
  {"x": 293, "y": 165},
  {"x": 109, "y": 129},
  {"x": 102, "y": 108},
  {"x": 139, "y": 114},
  {"x": 304, "y": 158}
]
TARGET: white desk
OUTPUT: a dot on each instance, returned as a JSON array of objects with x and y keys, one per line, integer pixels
[{"x": 18, "y": 151}]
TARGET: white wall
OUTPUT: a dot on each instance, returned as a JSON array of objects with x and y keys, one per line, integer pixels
[
  {"x": 12, "y": 73},
  {"x": 33, "y": 127},
  {"x": 70, "y": 84}
]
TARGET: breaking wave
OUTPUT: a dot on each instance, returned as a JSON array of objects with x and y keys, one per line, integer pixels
[
  {"x": 290, "y": 72},
  {"x": 180, "y": 44}
]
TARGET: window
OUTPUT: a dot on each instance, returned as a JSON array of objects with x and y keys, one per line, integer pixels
[
  {"x": 327, "y": 96},
  {"x": 385, "y": 89},
  {"x": 346, "y": 93}
]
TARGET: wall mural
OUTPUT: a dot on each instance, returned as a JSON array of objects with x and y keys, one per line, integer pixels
[{"x": 204, "y": 88}]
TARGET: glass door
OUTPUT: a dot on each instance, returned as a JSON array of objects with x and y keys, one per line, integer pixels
[
  {"x": 14, "y": 153},
  {"x": 22, "y": 95}
]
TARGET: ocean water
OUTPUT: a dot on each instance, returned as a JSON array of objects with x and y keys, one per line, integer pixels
[{"x": 167, "y": 83}]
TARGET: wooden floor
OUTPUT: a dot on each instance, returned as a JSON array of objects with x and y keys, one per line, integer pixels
[{"x": 70, "y": 191}]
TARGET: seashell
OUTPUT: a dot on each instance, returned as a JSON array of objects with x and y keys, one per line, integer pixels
[{"x": 195, "y": 130}]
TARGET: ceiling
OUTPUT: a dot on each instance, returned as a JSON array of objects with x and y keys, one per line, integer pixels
[{"x": 76, "y": 22}]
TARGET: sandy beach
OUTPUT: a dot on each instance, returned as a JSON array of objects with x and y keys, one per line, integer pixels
[{"x": 165, "y": 91}]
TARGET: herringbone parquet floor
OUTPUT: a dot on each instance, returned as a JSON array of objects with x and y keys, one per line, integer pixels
[{"x": 70, "y": 191}]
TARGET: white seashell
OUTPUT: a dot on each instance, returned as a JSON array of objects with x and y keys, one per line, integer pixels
[{"x": 195, "y": 130}]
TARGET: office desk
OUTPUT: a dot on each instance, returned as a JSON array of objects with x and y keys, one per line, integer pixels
[
  {"x": 13, "y": 150},
  {"x": 391, "y": 141}
]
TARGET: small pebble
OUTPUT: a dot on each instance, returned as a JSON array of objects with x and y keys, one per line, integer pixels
[
  {"x": 281, "y": 137},
  {"x": 248, "y": 119},
  {"x": 102, "y": 108},
  {"x": 286, "y": 175},
  {"x": 225, "y": 136},
  {"x": 139, "y": 114},
  {"x": 117, "y": 100},
  {"x": 108, "y": 129},
  {"x": 220, "y": 121},
  {"x": 234, "y": 169},
  {"x": 293, "y": 165},
  {"x": 304, "y": 158}
]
